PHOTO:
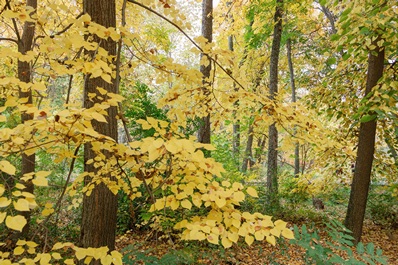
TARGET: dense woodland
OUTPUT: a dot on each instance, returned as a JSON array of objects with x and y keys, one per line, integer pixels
[{"x": 198, "y": 132}]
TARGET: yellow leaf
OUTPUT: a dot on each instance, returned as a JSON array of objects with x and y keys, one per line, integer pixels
[
  {"x": 186, "y": 204},
  {"x": 18, "y": 250},
  {"x": 58, "y": 245},
  {"x": 287, "y": 233},
  {"x": 174, "y": 205},
  {"x": 40, "y": 181},
  {"x": 271, "y": 240},
  {"x": 2, "y": 189},
  {"x": 16, "y": 222},
  {"x": 56, "y": 255},
  {"x": 159, "y": 204},
  {"x": 239, "y": 196},
  {"x": 80, "y": 253},
  {"x": 249, "y": 239},
  {"x": 4, "y": 202},
  {"x": 107, "y": 78},
  {"x": 42, "y": 174},
  {"x": 259, "y": 235},
  {"x": 252, "y": 192},
  {"x": 21, "y": 205},
  {"x": 213, "y": 238},
  {"x": 234, "y": 237},
  {"x": 20, "y": 186},
  {"x": 98, "y": 117},
  {"x": 2, "y": 217},
  {"x": 220, "y": 202},
  {"x": 226, "y": 242},
  {"x": 69, "y": 261},
  {"x": 6, "y": 167}
]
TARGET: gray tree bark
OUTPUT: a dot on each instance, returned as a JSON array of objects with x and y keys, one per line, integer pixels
[{"x": 272, "y": 170}]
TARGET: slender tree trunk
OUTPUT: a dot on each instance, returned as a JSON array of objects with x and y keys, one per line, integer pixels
[
  {"x": 293, "y": 86},
  {"x": 248, "y": 159},
  {"x": 25, "y": 44},
  {"x": 363, "y": 166},
  {"x": 207, "y": 32},
  {"x": 272, "y": 170},
  {"x": 98, "y": 226},
  {"x": 236, "y": 125}
]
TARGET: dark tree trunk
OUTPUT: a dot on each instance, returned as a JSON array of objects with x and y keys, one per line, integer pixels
[
  {"x": 363, "y": 166},
  {"x": 248, "y": 159},
  {"x": 272, "y": 170},
  {"x": 207, "y": 32},
  {"x": 25, "y": 44},
  {"x": 98, "y": 226},
  {"x": 294, "y": 99}
]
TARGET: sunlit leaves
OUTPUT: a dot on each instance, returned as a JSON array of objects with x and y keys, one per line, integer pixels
[{"x": 16, "y": 222}]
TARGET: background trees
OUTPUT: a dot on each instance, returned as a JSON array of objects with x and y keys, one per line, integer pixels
[{"x": 160, "y": 170}]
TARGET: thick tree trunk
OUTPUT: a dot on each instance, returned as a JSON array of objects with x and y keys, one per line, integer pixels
[
  {"x": 272, "y": 170},
  {"x": 207, "y": 32},
  {"x": 294, "y": 99},
  {"x": 25, "y": 44},
  {"x": 363, "y": 167},
  {"x": 248, "y": 159},
  {"x": 98, "y": 226}
]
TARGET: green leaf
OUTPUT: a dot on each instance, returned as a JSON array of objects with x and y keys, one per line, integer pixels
[{"x": 367, "y": 118}]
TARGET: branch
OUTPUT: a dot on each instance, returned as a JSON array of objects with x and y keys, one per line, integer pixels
[
  {"x": 9, "y": 39},
  {"x": 189, "y": 38}
]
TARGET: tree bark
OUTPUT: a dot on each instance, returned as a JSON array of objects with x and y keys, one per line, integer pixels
[
  {"x": 363, "y": 166},
  {"x": 204, "y": 131},
  {"x": 25, "y": 44},
  {"x": 98, "y": 226},
  {"x": 248, "y": 159},
  {"x": 294, "y": 99},
  {"x": 272, "y": 170}
]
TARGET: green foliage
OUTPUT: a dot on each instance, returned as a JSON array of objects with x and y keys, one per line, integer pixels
[
  {"x": 140, "y": 105},
  {"x": 329, "y": 252},
  {"x": 131, "y": 255},
  {"x": 383, "y": 207},
  {"x": 290, "y": 189}
]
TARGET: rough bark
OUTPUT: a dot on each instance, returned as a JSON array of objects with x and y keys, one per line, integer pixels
[
  {"x": 294, "y": 99},
  {"x": 248, "y": 159},
  {"x": 98, "y": 226},
  {"x": 25, "y": 44},
  {"x": 272, "y": 170},
  {"x": 204, "y": 131},
  {"x": 363, "y": 166}
]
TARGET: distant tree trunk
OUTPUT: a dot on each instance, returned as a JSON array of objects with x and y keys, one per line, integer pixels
[
  {"x": 293, "y": 86},
  {"x": 260, "y": 148},
  {"x": 25, "y": 44},
  {"x": 272, "y": 170},
  {"x": 248, "y": 159},
  {"x": 236, "y": 125},
  {"x": 207, "y": 32},
  {"x": 98, "y": 226},
  {"x": 363, "y": 166}
]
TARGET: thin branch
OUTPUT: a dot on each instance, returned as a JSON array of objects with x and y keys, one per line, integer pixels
[
  {"x": 189, "y": 38},
  {"x": 9, "y": 39}
]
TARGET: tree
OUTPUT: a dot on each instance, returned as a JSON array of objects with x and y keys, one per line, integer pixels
[
  {"x": 272, "y": 162},
  {"x": 100, "y": 207},
  {"x": 293, "y": 87},
  {"x": 207, "y": 32},
  {"x": 366, "y": 146},
  {"x": 25, "y": 44}
]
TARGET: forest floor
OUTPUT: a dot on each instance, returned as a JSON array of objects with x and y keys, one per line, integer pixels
[{"x": 258, "y": 253}]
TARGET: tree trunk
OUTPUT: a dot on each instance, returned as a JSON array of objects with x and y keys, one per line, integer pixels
[
  {"x": 207, "y": 32},
  {"x": 272, "y": 170},
  {"x": 294, "y": 99},
  {"x": 98, "y": 226},
  {"x": 363, "y": 166},
  {"x": 248, "y": 159},
  {"x": 25, "y": 44}
]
